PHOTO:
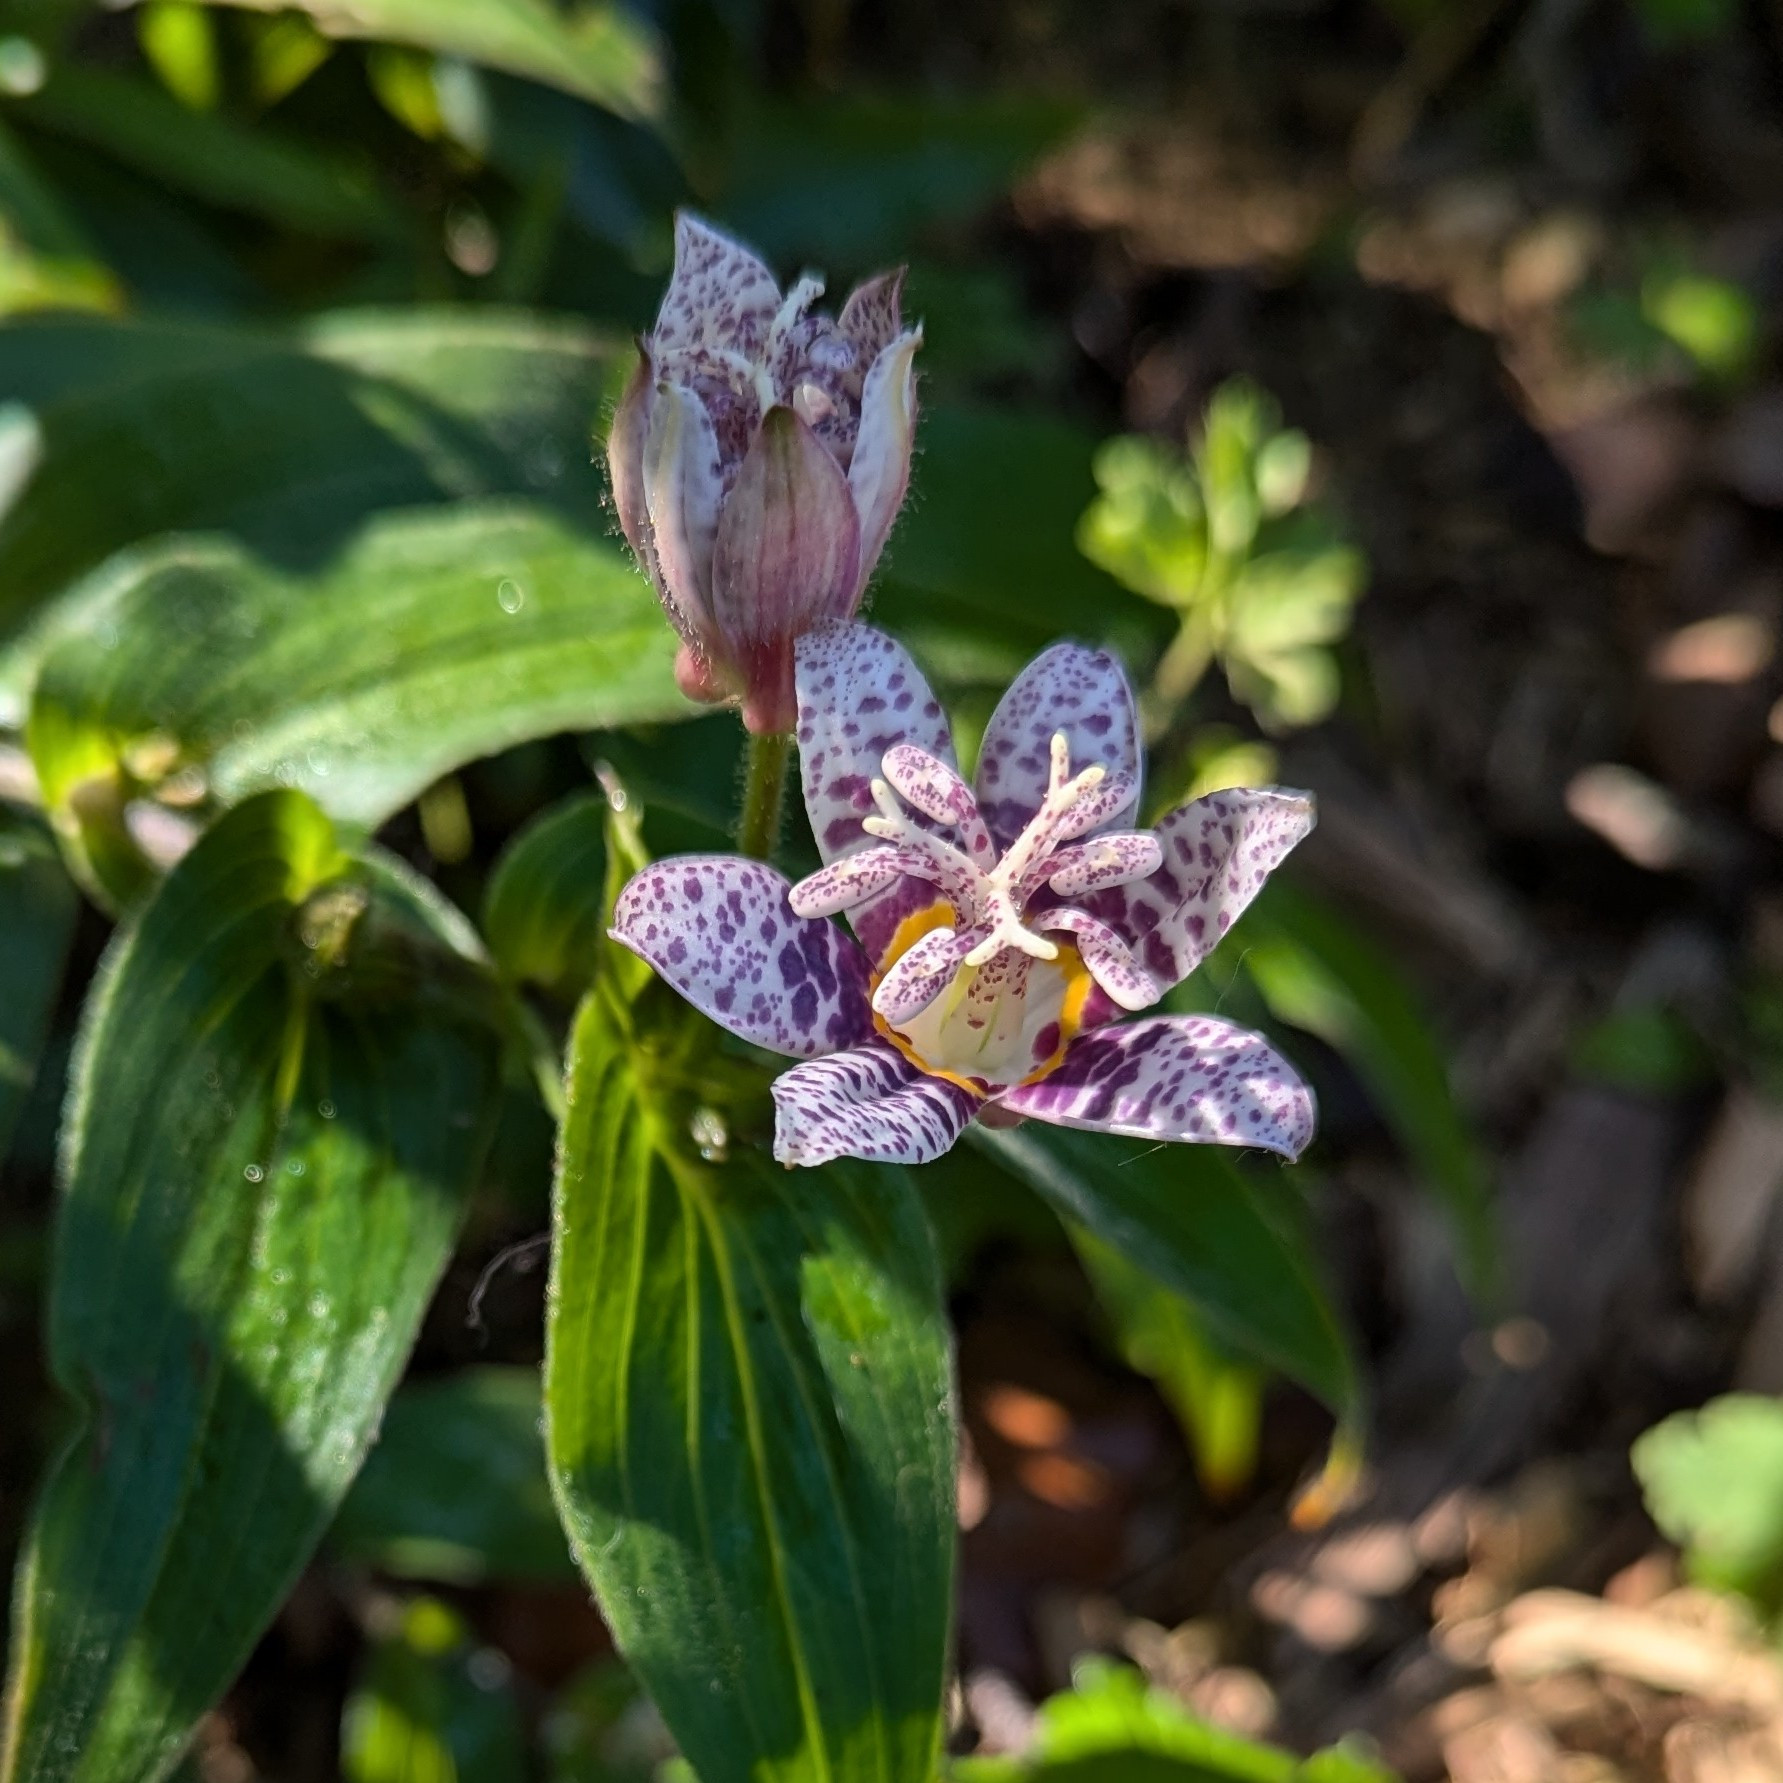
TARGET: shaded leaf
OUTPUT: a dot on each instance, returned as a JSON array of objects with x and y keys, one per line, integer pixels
[
  {"x": 456, "y": 1488},
  {"x": 544, "y": 914},
  {"x": 1319, "y": 973},
  {"x": 1188, "y": 1215},
  {"x": 593, "y": 48},
  {"x": 438, "y": 636},
  {"x": 287, "y": 440},
  {"x": 210, "y": 157},
  {"x": 750, "y": 1424},
  {"x": 37, "y": 911},
  {"x": 432, "y": 1707},
  {"x": 285, "y": 1083}
]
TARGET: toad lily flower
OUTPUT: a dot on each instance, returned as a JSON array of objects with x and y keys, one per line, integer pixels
[
  {"x": 758, "y": 459},
  {"x": 1003, "y": 930}
]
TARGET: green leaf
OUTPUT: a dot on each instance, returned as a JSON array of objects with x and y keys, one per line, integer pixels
[
  {"x": 750, "y": 1424},
  {"x": 1111, "y": 1727},
  {"x": 1319, "y": 973},
  {"x": 431, "y": 1707},
  {"x": 1190, "y": 1217},
  {"x": 290, "y": 441},
  {"x": 593, "y": 48},
  {"x": 285, "y": 1082},
  {"x": 982, "y": 572},
  {"x": 545, "y": 910},
  {"x": 1217, "y": 1400},
  {"x": 210, "y": 157},
  {"x": 436, "y": 637},
  {"x": 180, "y": 41},
  {"x": 456, "y": 1489},
  {"x": 1713, "y": 1482},
  {"x": 37, "y": 911}
]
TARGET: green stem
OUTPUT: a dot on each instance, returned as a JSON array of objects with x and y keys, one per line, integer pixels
[{"x": 758, "y": 829}]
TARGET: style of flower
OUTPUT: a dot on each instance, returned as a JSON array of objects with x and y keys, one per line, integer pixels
[
  {"x": 758, "y": 459},
  {"x": 1002, "y": 930}
]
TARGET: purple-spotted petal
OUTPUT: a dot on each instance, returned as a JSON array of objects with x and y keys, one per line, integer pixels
[
  {"x": 879, "y": 472},
  {"x": 852, "y": 880},
  {"x": 720, "y": 295},
  {"x": 921, "y": 973},
  {"x": 1069, "y": 688},
  {"x": 935, "y": 789},
  {"x": 1176, "y": 1077},
  {"x": 1217, "y": 853},
  {"x": 869, "y": 1102},
  {"x": 683, "y": 487},
  {"x": 1109, "y": 959},
  {"x": 872, "y": 316},
  {"x": 785, "y": 555},
  {"x": 1102, "y": 861},
  {"x": 720, "y": 930},
  {"x": 860, "y": 695}
]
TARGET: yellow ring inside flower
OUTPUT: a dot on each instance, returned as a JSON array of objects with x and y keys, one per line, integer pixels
[{"x": 1055, "y": 994}]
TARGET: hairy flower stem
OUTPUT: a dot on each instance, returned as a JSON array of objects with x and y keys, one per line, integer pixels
[{"x": 764, "y": 784}]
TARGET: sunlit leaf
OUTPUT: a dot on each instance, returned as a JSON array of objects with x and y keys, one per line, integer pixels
[
  {"x": 750, "y": 1425},
  {"x": 595, "y": 48},
  {"x": 287, "y": 1076},
  {"x": 439, "y": 636},
  {"x": 1713, "y": 1482},
  {"x": 180, "y": 41},
  {"x": 456, "y": 1488},
  {"x": 290, "y": 441}
]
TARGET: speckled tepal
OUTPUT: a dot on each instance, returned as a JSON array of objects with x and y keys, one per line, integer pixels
[{"x": 758, "y": 459}]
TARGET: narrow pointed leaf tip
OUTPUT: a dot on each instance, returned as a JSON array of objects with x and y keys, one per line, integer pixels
[
  {"x": 1000, "y": 931},
  {"x": 758, "y": 460}
]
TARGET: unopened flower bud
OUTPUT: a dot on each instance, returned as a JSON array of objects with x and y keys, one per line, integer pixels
[{"x": 758, "y": 459}]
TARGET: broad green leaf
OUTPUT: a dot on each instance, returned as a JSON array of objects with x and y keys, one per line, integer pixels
[
  {"x": 290, "y": 441},
  {"x": 1217, "y": 1399},
  {"x": 431, "y": 1706},
  {"x": 982, "y": 571},
  {"x": 594, "y": 48},
  {"x": 1188, "y": 1215},
  {"x": 200, "y": 672},
  {"x": 1318, "y": 973},
  {"x": 1111, "y": 1727},
  {"x": 37, "y": 911},
  {"x": 456, "y": 1488},
  {"x": 544, "y": 914},
  {"x": 750, "y": 1424},
  {"x": 210, "y": 157},
  {"x": 1713, "y": 1482},
  {"x": 846, "y": 179},
  {"x": 284, "y": 1086}
]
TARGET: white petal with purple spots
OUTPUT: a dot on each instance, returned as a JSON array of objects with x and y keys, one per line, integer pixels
[
  {"x": 879, "y": 470},
  {"x": 859, "y": 694},
  {"x": 1217, "y": 853},
  {"x": 867, "y": 1103},
  {"x": 1083, "y": 693},
  {"x": 1176, "y": 1077},
  {"x": 683, "y": 487},
  {"x": 720, "y": 295},
  {"x": 720, "y": 930},
  {"x": 872, "y": 316}
]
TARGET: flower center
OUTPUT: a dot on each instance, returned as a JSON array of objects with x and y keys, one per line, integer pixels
[{"x": 975, "y": 995}]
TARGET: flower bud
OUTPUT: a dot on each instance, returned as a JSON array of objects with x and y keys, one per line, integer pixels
[{"x": 758, "y": 458}]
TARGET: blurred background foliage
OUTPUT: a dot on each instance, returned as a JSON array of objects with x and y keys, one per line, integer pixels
[{"x": 313, "y": 316}]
